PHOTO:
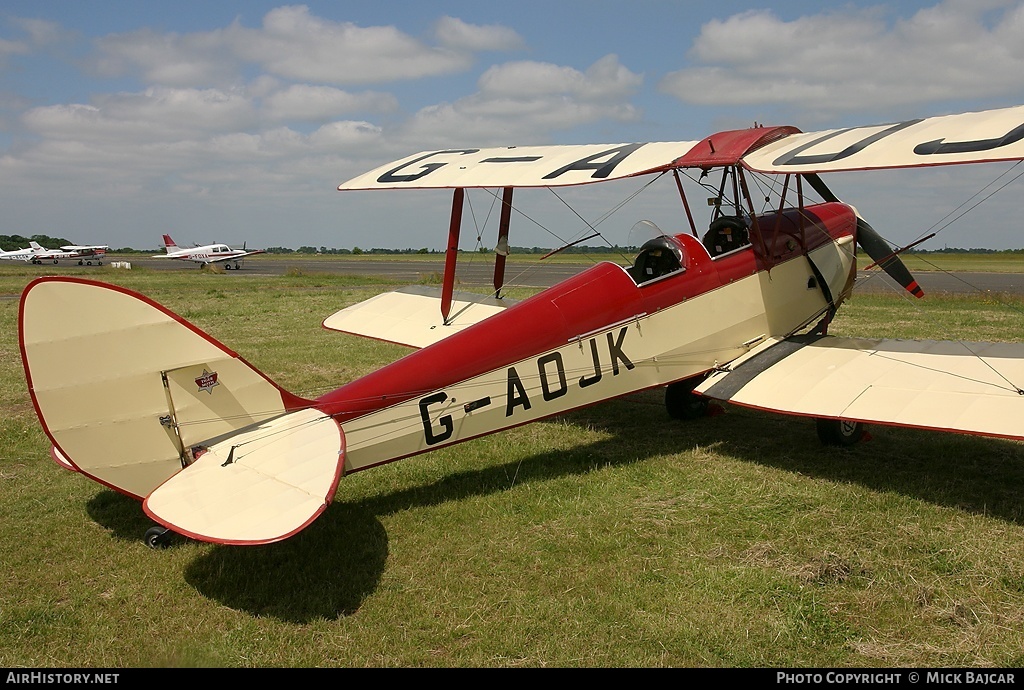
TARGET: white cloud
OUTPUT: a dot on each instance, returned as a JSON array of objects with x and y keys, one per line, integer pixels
[
  {"x": 294, "y": 44},
  {"x": 850, "y": 59},
  {"x": 8, "y": 48},
  {"x": 192, "y": 60},
  {"x": 523, "y": 102},
  {"x": 605, "y": 80},
  {"x": 318, "y": 103},
  {"x": 38, "y": 34},
  {"x": 459, "y": 35},
  {"x": 342, "y": 136},
  {"x": 152, "y": 115}
]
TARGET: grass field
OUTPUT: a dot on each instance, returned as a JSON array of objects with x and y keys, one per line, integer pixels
[{"x": 608, "y": 537}]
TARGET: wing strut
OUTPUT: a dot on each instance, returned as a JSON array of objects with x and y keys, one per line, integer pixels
[
  {"x": 448, "y": 284},
  {"x": 501, "y": 249}
]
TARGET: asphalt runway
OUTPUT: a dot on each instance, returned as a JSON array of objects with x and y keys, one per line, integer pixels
[{"x": 476, "y": 270}]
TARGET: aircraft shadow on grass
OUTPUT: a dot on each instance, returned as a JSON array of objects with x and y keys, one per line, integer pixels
[{"x": 329, "y": 569}]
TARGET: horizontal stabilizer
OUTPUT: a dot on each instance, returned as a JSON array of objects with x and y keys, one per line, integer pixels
[
  {"x": 256, "y": 486},
  {"x": 941, "y": 385},
  {"x": 412, "y": 315}
]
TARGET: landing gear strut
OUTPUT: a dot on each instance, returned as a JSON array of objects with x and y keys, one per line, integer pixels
[{"x": 682, "y": 403}]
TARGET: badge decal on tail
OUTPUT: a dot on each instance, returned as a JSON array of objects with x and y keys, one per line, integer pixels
[{"x": 207, "y": 381}]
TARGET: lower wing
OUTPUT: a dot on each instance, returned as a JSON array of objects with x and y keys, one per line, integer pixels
[
  {"x": 235, "y": 257},
  {"x": 975, "y": 388},
  {"x": 411, "y": 316}
]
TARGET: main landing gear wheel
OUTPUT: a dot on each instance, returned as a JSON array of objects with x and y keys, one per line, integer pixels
[
  {"x": 682, "y": 403},
  {"x": 158, "y": 537},
  {"x": 839, "y": 432}
]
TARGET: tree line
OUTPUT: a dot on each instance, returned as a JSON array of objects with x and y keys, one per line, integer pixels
[{"x": 9, "y": 243}]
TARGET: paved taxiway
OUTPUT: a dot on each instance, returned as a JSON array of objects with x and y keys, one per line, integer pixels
[{"x": 479, "y": 270}]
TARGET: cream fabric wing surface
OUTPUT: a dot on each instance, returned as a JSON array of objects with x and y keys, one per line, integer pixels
[
  {"x": 943, "y": 385},
  {"x": 412, "y": 315}
]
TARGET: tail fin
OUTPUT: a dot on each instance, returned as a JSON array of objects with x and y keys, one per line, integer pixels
[
  {"x": 169, "y": 244},
  {"x": 125, "y": 389},
  {"x": 144, "y": 402},
  {"x": 34, "y": 245}
]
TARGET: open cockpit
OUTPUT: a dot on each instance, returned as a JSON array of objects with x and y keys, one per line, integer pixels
[{"x": 658, "y": 257}]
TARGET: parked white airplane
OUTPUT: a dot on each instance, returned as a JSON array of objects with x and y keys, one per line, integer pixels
[
  {"x": 206, "y": 254},
  {"x": 85, "y": 253},
  {"x": 19, "y": 255}
]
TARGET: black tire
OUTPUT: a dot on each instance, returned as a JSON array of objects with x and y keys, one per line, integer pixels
[
  {"x": 682, "y": 403},
  {"x": 158, "y": 537},
  {"x": 839, "y": 432}
]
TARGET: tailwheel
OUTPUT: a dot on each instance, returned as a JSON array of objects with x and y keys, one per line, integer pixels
[
  {"x": 158, "y": 537},
  {"x": 682, "y": 403},
  {"x": 839, "y": 432}
]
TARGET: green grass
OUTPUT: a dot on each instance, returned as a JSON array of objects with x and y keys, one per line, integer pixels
[{"x": 609, "y": 537}]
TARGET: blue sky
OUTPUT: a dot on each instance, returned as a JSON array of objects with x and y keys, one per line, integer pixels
[{"x": 235, "y": 121}]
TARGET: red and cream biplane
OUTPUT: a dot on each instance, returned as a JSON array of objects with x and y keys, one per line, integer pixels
[{"x": 735, "y": 308}]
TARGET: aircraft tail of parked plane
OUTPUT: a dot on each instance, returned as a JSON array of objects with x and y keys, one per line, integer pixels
[
  {"x": 737, "y": 309},
  {"x": 206, "y": 255},
  {"x": 170, "y": 246}
]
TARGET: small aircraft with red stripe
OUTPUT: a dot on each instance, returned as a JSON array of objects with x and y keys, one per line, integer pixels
[
  {"x": 734, "y": 306},
  {"x": 206, "y": 254},
  {"x": 84, "y": 254}
]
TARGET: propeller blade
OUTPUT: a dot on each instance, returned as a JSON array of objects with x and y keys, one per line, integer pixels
[
  {"x": 873, "y": 244},
  {"x": 880, "y": 252}
]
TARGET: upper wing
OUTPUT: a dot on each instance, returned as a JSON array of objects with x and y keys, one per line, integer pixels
[
  {"x": 951, "y": 386},
  {"x": 981, "y": 137},
  {"x": 522, "y": 166}
]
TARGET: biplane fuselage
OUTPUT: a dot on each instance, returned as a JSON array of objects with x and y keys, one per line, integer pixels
[{"x": 606, "y": 332}]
